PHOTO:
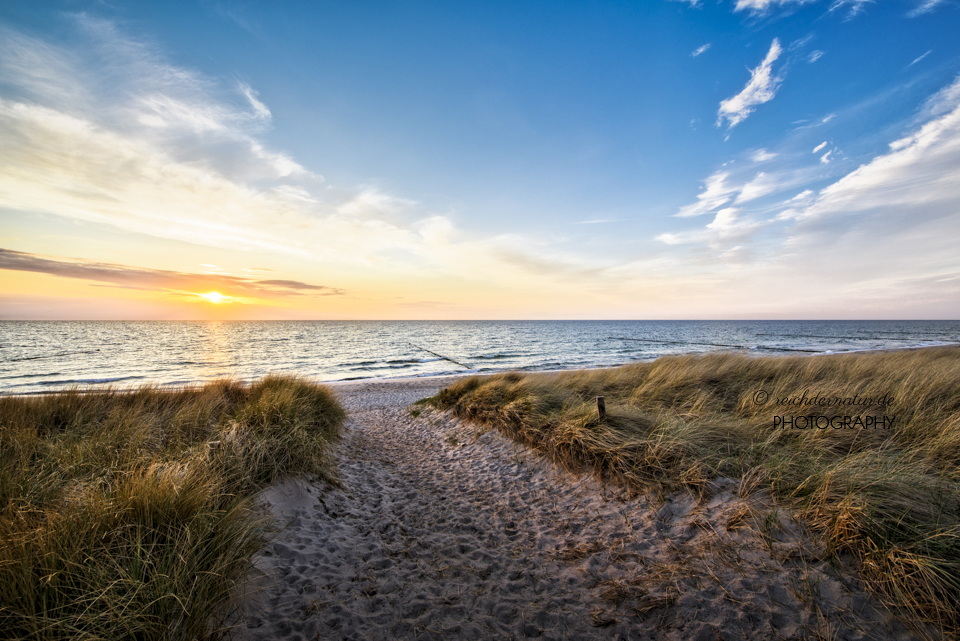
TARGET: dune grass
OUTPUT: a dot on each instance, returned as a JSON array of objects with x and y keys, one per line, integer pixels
[
  {"x": 128, "y": 515},
  {"x": 889, "y": 496}
]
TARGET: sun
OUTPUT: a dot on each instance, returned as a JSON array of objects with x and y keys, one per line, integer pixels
[{"x": 214, "y": 297}]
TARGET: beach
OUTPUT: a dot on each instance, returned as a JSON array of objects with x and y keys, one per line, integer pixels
[{"x": 443, "y": 529}]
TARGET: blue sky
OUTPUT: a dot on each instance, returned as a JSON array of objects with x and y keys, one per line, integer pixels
[{"x": 668, "y": 159}]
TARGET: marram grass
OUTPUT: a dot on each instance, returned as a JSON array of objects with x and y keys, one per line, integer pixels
[
  {"x": 888, "y": 495},
  {"x": 128, "y": 515}
]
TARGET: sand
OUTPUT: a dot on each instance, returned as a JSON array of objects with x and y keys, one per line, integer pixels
[{"x": 442, "y": 530}]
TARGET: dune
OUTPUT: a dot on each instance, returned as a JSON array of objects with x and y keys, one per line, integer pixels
[{"x": 441, "y": 529}]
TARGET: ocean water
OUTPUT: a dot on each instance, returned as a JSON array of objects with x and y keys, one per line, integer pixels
[{"x": 38, "y": 356}]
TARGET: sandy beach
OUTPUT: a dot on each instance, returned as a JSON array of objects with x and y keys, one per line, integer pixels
[{"x": 442, "y": 530}]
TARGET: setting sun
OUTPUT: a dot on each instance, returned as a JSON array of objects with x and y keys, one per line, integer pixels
[{"x": 215, "y": 297}]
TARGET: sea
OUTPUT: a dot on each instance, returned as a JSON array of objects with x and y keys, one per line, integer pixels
[{"x": 44, "y": 356}]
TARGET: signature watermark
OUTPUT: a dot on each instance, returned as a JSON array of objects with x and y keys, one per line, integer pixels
[
  {"x": 818, "y": 399},
  {"x": 845, "y": 422}
]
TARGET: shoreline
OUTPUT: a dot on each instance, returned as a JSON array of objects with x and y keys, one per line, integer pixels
[{"x": 454, "y": 376}]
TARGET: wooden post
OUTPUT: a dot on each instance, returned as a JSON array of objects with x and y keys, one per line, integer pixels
[{"x": 601, "y": 408}]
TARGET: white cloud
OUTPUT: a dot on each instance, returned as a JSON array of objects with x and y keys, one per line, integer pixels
[
  {"x": 725, "y": 234},
  {"x": 919, "y": 58},
  {"x": 814, "y": 56},
  {"x": 806, "y": 124},
  {"x": 761, "y": 6},
  {"x": 716, "y": 192},
  {"x": 762, "y": 155},
  {"x": 721, "y": 189},
  {"x": 856, "y": 6},
  {"x": 261, "y": 109},
  {"x": 926, "y": 6},
  {"x": 820, "y": 146},
  {"x": 888, "y": 229},
  {"x": 921, "y": 171},
  {"x": 943, "y": 101},
  {"x": 825, "y": 158},
  {"x": 762, "y": 88},
  {"x": 883, "y": 236},
  {"x": 699, "y": 50},
  {"x": 725, "y": 219},
  {"x": 760, "y": 186}
]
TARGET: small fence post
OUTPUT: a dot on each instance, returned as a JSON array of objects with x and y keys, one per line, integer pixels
[{"x": 601, "y": 408}]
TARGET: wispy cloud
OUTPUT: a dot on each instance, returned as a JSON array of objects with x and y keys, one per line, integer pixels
[
  {"x": 258, "y": 107},
  {"x": 601, "y": 221},
  {"x": 814, "y": 56},
  {"x": 165, "y": 152},
  {"x": 716, "y": 192},
  {"x": 944, "y": 101},
  {"x": 820, "y": 146},
  {"x": 158, "y": 279},
  {"x": 762, "y": 6},
  {"x": 889, "y": 227},
  {"x": 110, "y": 132},
  {"x": 725, "y": 234},
  {"x": 926, "y": 6},
  {"x": 919, "y": 58},
  {"x": 856, "y": 6},
  {"x": 760, "y": 186},
  {"x": 762, "y": 155},
  {"x": 761, "y": 88},
  {"x": 920, "y": 171},
  {"x": 806, "y": 124},
  {"x": 699, "y": 50}
]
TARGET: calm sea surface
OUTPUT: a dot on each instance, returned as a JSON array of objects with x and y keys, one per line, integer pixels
[{"x": 48, "y": 355}]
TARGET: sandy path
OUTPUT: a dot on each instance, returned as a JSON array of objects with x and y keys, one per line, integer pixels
[{"x": 441, "y": 533}]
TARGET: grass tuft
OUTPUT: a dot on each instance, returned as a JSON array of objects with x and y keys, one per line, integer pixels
[
  {"x": 890, "y": 495},
  {"x": 129, "y": 514}
]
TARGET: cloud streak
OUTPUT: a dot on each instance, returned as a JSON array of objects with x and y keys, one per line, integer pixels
[
  {"x": 761, "y": 88},
  {"x": 717, "y": 191},
  {"x": 919, "y": 58},
  {"x": 762, "y": 6},
  {"x": 158, "y": 279},
  {"x": 924, "y": 7}
]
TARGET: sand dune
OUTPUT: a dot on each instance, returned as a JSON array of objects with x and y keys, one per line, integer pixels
[{"x": 443, "y": 532}]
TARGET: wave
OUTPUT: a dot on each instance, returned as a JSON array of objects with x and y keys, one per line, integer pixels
[
  {"x": 180, "y": 354},
  {"x": 89, "y": 381}
]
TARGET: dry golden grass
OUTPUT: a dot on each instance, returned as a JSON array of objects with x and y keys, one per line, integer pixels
[
  {"x": 128, "y": 514},
  {"x": 890, "y": 497}
]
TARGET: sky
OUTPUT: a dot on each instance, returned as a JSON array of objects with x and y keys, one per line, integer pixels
[{"x": 653, "y": 159}]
